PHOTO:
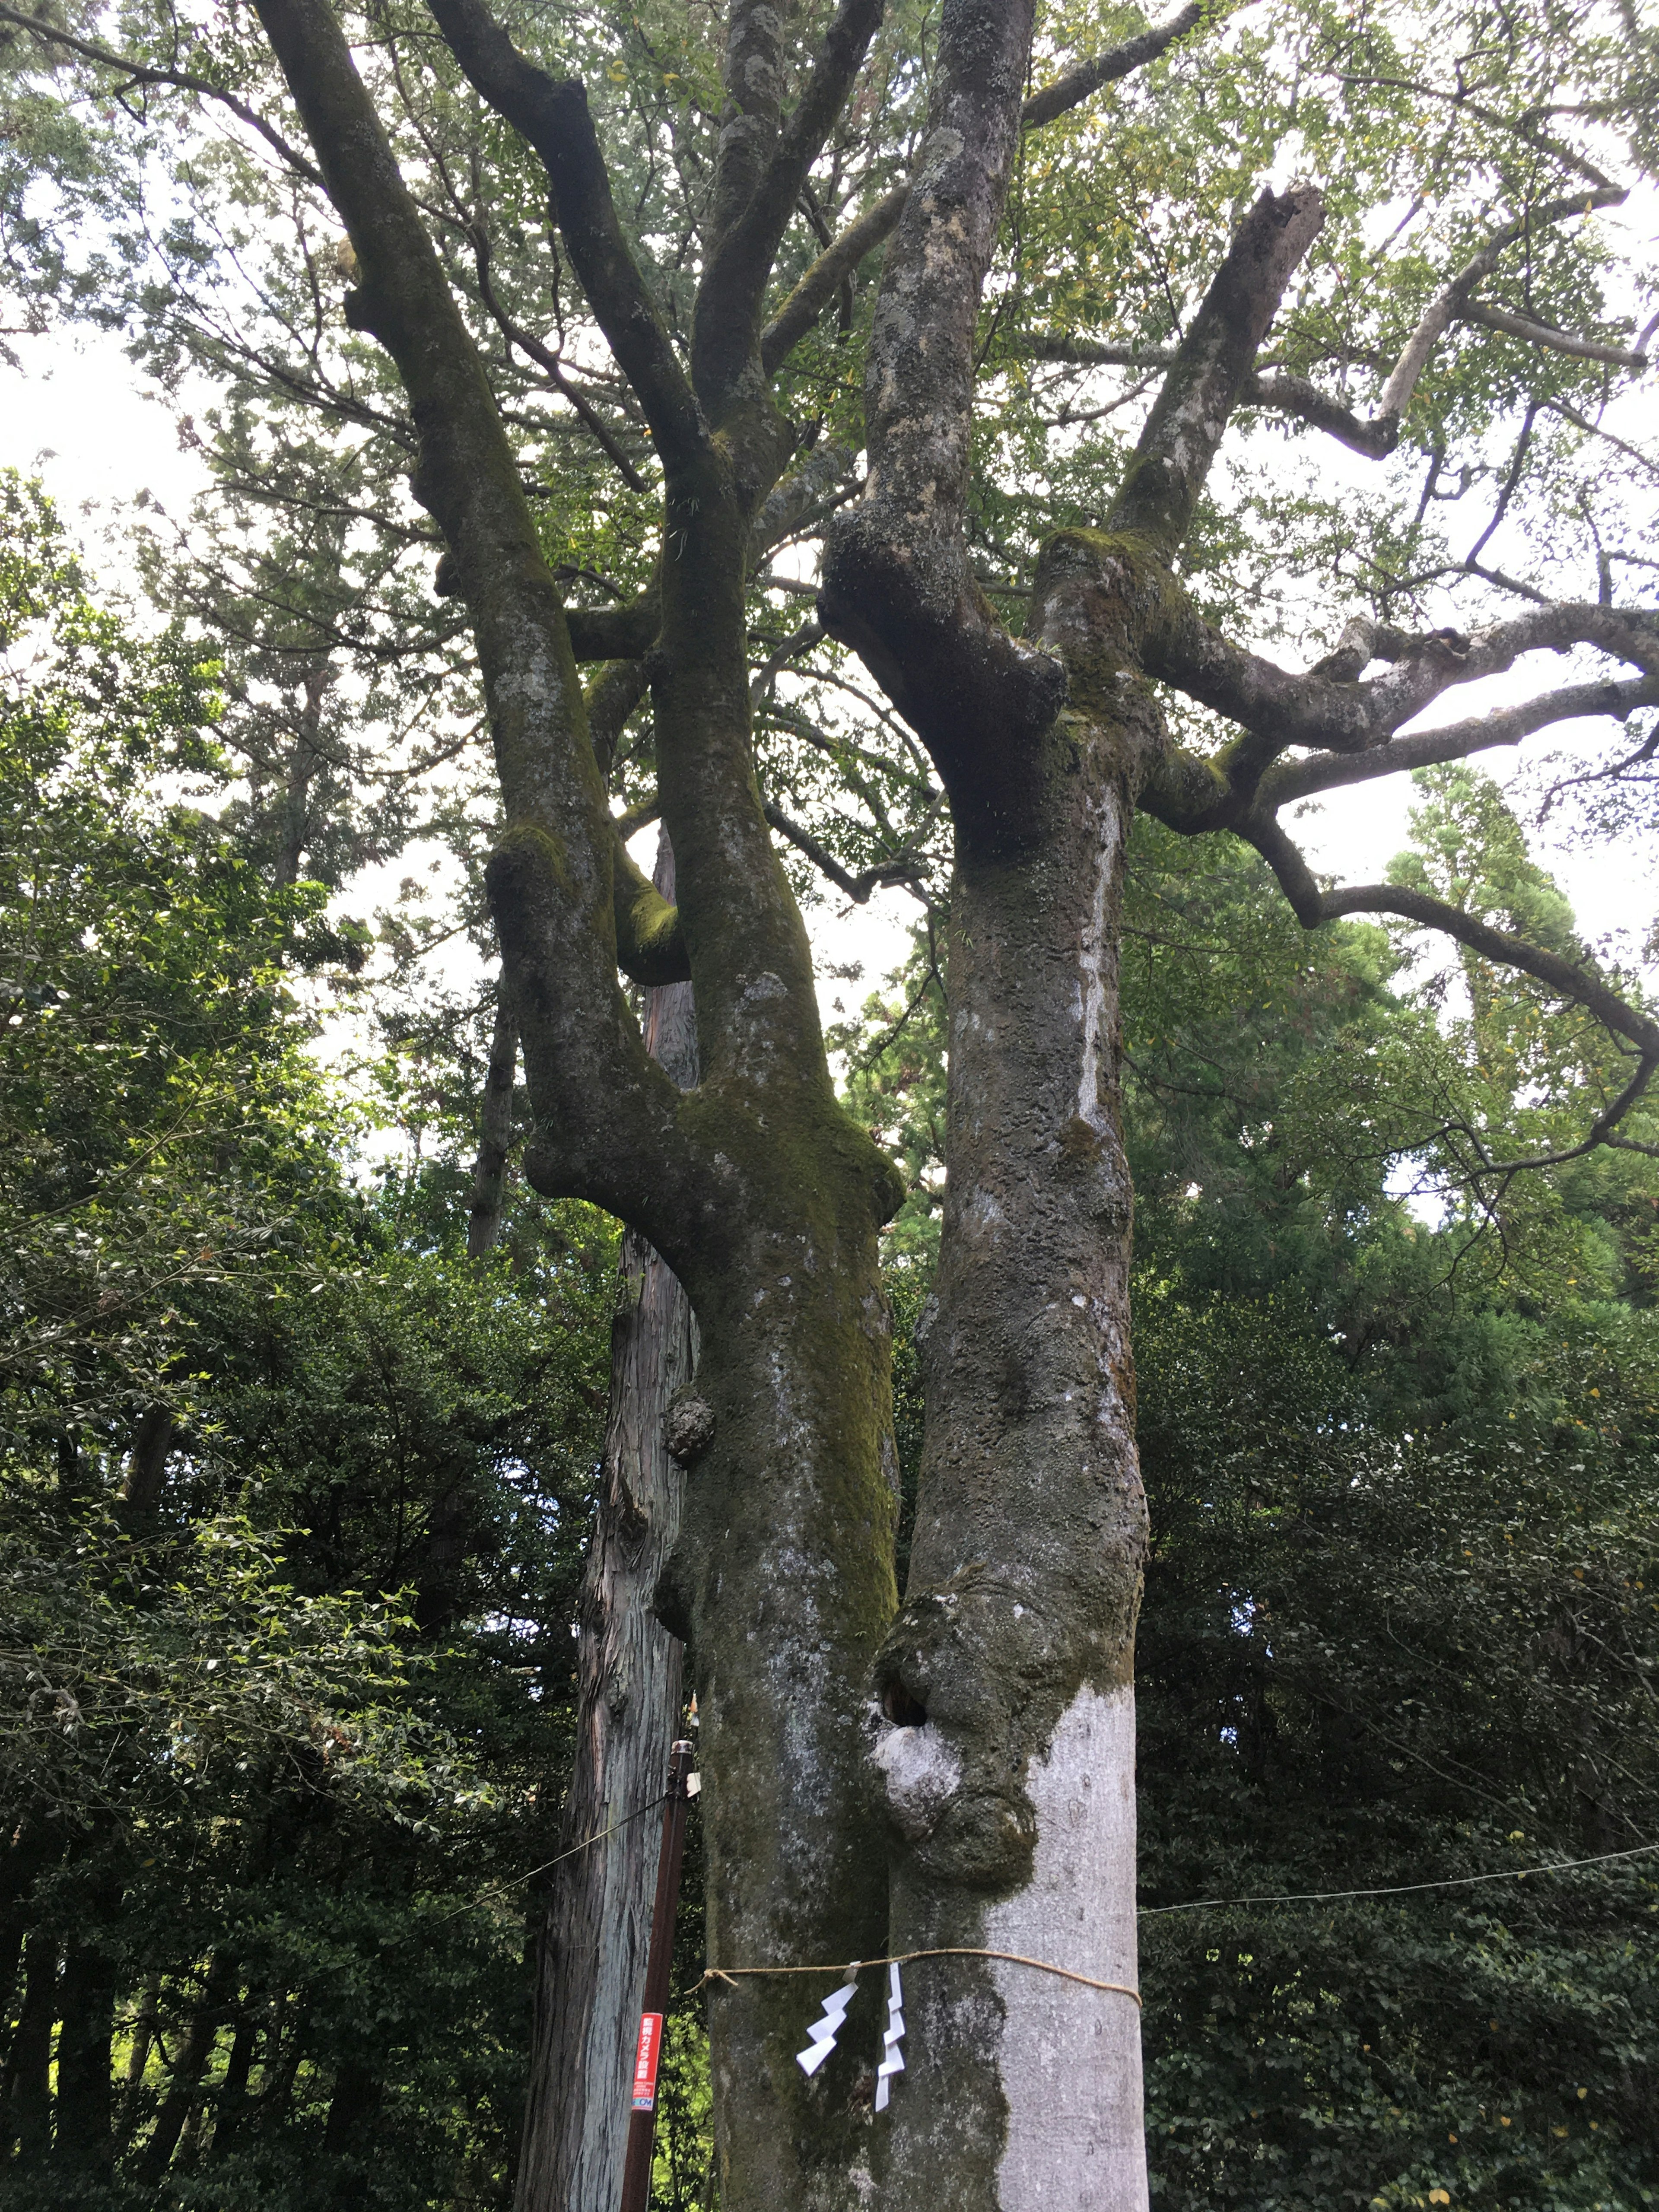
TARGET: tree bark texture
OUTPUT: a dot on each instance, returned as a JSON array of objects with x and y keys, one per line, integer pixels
[
  {"x": 1006, "y": 1750},
  {"x": 591, "y": 1954},
  {"x": 1002, "y": 1720},
  {"x": 483, "y": 1223}
]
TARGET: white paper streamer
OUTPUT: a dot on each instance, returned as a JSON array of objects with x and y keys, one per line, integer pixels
[
  {"x": 824, "y": 2032},
  {"x": 892, "y": 2061}
]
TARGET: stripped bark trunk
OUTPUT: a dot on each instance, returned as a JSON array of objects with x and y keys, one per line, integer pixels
[
  {"x": 590, "y": 1953},
  {"x": 483, "y": 1222}
]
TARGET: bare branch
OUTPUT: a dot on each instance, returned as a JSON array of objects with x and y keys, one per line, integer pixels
[
  {"x": 1078, "y": 84},
  {"x": 1541, "y": 334},
  {"x": 1577, "y": 985},
  {"x": 1509, "y": 726},
  {"x": 904, "y": 870},
  {"x": 529, "y": 344},
  {"x": 1451, "y": 301}
]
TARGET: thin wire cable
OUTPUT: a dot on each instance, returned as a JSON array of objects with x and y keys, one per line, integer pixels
[
  {"x": 1401, "y": 1889},
  {"x": 586, "y": 1843},
  {"x": 854, "y": 1967}
]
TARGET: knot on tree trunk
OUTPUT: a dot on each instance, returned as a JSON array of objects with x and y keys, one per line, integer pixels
[{"x": 688, "y": 1427}]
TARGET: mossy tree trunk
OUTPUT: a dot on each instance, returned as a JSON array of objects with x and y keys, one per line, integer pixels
[{"x": 1004, "y": 1762}]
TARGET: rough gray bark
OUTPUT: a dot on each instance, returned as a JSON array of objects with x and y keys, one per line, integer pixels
[
  {"x": 754, "y": 1187},
  {"x": 1007, "y": 1751},
  {"x": 590, "y": 1953}
]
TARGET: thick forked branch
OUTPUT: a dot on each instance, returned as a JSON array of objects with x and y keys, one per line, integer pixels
[
  {"x": 1277, "y": 392},
  {"x": 825, "y": 278},
  {"x": 1577, "y": 985},
  {"x": 554, "y": 117},
  {"x": 1329, "y": 710},
  {"x": 1377, "y": 435},
  {"x": 725, "y": 330},
  {"x": 1213, "y": 364},
  {"x": 897, "y": 582},
  {"x": 1451, "y": 301},
  {"x": 551, "y": 875},
  {"x": 142, "y": 73}
]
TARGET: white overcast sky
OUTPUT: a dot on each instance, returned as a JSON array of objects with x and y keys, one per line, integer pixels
[{"x": 79, "y": 415}]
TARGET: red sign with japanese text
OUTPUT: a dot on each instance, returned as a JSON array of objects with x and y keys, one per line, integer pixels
[{"x": 645, "y": 2062}]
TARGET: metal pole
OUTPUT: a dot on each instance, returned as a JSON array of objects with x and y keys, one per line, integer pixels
[{"x": 642, "y": 2119}]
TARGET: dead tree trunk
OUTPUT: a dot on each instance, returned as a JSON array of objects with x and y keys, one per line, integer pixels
[{"x": 591, "y": 1954}]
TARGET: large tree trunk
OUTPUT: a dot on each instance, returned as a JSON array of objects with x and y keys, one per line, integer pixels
[
  {"x": 591, "y": 1956},
  {"x": 1008, "y": 1749}
]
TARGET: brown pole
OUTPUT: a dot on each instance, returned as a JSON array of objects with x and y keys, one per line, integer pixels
[{"x": 642, "y": 2119}]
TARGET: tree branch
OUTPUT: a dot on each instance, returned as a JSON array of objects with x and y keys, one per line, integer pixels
[
  {"x": 820, "y": 284},
  {"x": 1078, "y": 84},
  {"x": 608, "y": 1115},
  {"x": 1293, "y": 780},
  {"x": 1570, "y": 981},
  {"x": 1452, "y": 300},
  {"x": 1213, "y": 362},
  {"x": 1327, "y": 710},
  {"x": 532, "y": 347},
  {"x": 724, "y": 331},
  {"x": 857, "y": 888},
  {"x": 624, "y": 632},
  {"x": 554, "y": 117},
  {"x": 826, "y": 276},
  {"x": 1540, "y": 334},
  {"x": 897, "y": 584},
  {"x": 143, "y": 73}
]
